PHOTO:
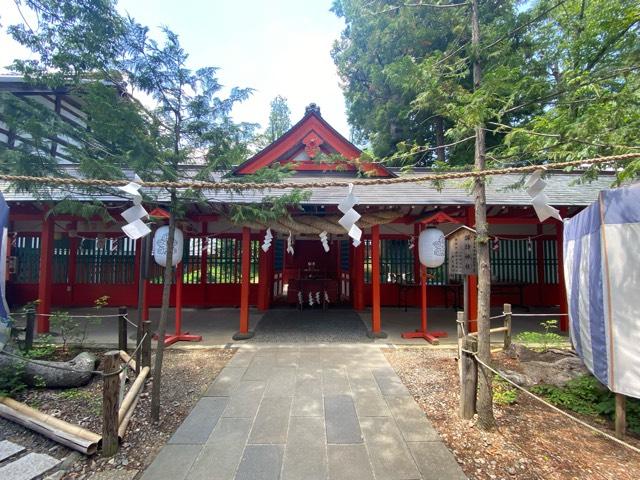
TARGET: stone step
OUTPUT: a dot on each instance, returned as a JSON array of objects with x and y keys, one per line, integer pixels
[
  {"x": 9, "y": 449},
  {"x": 28, "y": 467}
]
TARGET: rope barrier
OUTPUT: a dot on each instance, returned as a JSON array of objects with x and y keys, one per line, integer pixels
[
  {"x": 553, "y": 407},
  {"x": 82, "y": 316},
  {"x": 540, "y": 399},
  {"x": 539, "y": 314},
  {"x": 205, "y": 185}
]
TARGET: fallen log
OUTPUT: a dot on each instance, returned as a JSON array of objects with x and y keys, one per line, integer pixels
[
  {"x": 72, "y": 436},
  {"x": 74, "y": 373}
]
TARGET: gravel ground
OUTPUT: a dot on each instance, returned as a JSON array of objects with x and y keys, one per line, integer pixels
[
  {"x": 312, "y": 326},
  {"x": 531, "y": 442},
  {"x": 186, "y": 376}
]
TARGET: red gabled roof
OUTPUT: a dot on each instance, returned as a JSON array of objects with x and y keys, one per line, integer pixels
[{"x": 307, "y": 138}]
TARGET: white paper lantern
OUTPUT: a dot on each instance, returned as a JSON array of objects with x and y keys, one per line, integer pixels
[
  {"x": 431, "y": 247},
  {"x": 160, "y": 246}
]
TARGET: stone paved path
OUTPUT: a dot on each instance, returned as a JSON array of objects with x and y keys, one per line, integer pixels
[{"x": 303, "y": 413}]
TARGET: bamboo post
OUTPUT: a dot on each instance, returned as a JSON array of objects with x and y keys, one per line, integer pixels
[
  {"x": 122, "y": 329},
  {"x": 621, "y": 415},
  {"x": 507, "y": 325},
  {"x": 31, "y": 326},
  {"x": 468, "y": 372},
  {"x": 146, "y": 344},
  {"x": 110, "y": 391}
]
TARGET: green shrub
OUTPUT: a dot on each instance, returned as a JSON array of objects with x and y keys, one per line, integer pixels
[
  {"x": 11, "y": 380},
  {"x": 503, "y": 392},
  {"x": 546, "y": 339},
  {"x": 586, "y": 395}
]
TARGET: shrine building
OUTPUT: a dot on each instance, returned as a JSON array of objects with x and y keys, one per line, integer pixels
[{"x": 66, "y": 262}]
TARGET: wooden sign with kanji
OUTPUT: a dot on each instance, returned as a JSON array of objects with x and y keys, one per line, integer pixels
[{"x": 461, "y": 244}]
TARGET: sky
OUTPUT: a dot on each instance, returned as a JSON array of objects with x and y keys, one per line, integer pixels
[{"x": 277, "y": 47}]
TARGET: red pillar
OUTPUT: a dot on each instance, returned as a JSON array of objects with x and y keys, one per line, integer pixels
[
  {"x": 540, "y": 265},
  {"x": 73, "y": 264},
  {"x": 472, "y": 281},
  {"x": 45, "y": 275},
  {"x": 179, "y": 272},
  {"x": 203, "y": 262},
  {"x": 472, "y": 285},
  {"x": 375, "y": 283},
  {"x": 265, "y": 277},
  {"x": 358, "y": 277},
  {"x": 244, "y": 333},
  {"x": 562, "y": 287}
]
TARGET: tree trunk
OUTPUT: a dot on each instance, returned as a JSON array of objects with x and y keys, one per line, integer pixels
[
  {"x": 45, "y": 372},
  {"x": 485, "y": 393},
  {"x": 439, "y": 125},
  {"x": 164, "y": 313}
]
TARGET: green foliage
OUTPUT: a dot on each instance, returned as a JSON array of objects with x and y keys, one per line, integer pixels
[
  {"x": 75, "y": 394},
  {"x": 503, "y": 392},
  {"x": 560, "y": 80},
  {"x": 279, "y": 119},
  {"x": 11, "y": 380},
  {"x": 543, "y": 340},
  {"x": 587, "y": 396}
]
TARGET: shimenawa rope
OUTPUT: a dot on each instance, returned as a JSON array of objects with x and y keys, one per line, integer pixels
[{"x": 202, "y": 185}]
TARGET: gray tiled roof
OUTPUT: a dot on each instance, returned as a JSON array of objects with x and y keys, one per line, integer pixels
[{"x": 564, "y": 189}]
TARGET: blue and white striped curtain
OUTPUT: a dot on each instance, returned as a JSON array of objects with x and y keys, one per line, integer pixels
[
  {"x": 4, "y": 309},
  {"x": 602, "y": 274}
]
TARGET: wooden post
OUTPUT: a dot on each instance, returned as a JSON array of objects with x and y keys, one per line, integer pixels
[
  {"x": 204, "y": 262},
  {"x": 28, "y": 334},
  {"x": 122, "y": 329},
  {"x": 143, "y": 247},
  {"x": 45, "y": 274},
  {"x": 468, "y": 372},
  {"x": 110, "y": 391},
  {"x": 507, "y": 325},
  {"x": 145, "y": 355},
  {"x": 375, "y": 279},
  {"x": 621, "y": 415}
]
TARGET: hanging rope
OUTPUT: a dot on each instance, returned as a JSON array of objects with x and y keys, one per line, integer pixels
[{"x": 201, "y": 185}]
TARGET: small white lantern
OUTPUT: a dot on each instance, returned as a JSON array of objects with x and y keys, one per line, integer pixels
[
  {"x": 160, "y": 246},
  {"x": 431, "y": 247}
]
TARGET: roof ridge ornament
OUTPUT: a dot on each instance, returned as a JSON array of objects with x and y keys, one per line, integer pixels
[{"x": 312, "y": 108}]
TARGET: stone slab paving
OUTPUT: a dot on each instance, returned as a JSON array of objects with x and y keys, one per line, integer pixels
[
  {"x": 9, "y": 449},
  {"x": 32, "y": 465},
  {"x": 325, "y": 412}
]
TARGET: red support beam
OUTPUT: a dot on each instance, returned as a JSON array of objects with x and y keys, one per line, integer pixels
[
  {"x": 540, "y": 265},
  {"x": 472, "y": 282},
  {"x": 562, "y": 286},
  {"x": 375, "y": 284},
  {"x": 73, "y": 265},
  {"x": 244, "y": 332},
  {"x": 206, "y": 248},
  {"x": 178, "y": 336},
  {"x": 358, "y": 277},
  {"x": 264, "y": 282},
  {"x": 422, "y": 332},
  {"x": 45, "y": 275}
]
